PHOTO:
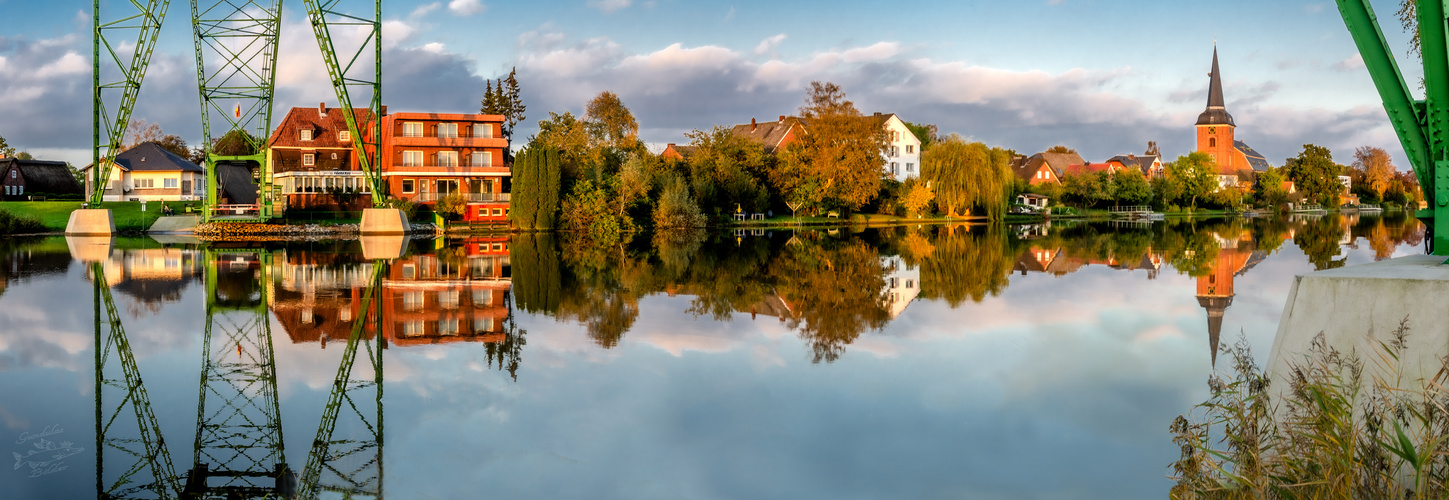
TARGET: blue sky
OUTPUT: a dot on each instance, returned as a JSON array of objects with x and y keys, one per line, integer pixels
[{"x": 1101, "y": 76}]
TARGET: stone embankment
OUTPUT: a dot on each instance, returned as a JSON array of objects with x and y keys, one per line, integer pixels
[{"x": 263, "y": 231}]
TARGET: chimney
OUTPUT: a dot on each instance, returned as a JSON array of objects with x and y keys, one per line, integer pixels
[
  {"x": 1131, "y": 156},
  {"x": 782, "y": 118},
  {"x": 322, "y": 109},
  {"x": 669, "y": 146},
  {"x": 877, "y": 114},
  {"x": 752, "y": 124}
]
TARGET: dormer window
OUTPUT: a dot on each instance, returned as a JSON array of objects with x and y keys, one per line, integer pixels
[
  {"x": 344, "y": 136},
  {"x": 304, "y": 134}
]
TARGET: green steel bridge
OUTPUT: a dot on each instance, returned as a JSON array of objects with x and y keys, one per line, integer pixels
[{"x": 236, "y": 42}]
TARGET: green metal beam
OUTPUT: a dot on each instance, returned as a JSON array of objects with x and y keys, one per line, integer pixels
[
  {"x": 110, "y": 114},
  {"x": 362, "y": 74},
  {"x": 236, "y": 59}
]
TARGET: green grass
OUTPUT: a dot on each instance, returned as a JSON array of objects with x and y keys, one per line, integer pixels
[{"x": 127, "y": 214}]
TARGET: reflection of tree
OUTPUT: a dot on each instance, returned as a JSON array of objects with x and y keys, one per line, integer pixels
[
  {"x": 535, "y": 261},
  {"x": 1190, "y": 249},
  {"x": 964, "y": 264},
  {"x": 1319, "y": 241},
  {"x": 835, "y": 289},
  {"x": 594, "y": 290}
]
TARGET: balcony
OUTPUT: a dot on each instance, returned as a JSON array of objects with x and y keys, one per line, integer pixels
[
  {"x": 489, "y": 170},
  {"x": 471, "y": 197},
  {"x": 400, "y": 140}
]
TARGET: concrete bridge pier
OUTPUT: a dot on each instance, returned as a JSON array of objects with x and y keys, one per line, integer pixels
[
  {"x": 384, "y": 221},
  {"x": 91, "y": 221}
]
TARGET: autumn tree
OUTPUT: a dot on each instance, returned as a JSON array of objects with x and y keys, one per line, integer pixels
[
  {"x": 610, "y": 124},
  {"x": 726, "y": 170},
  {"x": 1060, "y": 148},
  {"x": 840, "y": 158},
  {"x": 1269, "y": 188},
  {"x": 1194, "y": 174},
  {"x": 5, "y": 149},
  {"x": 968, "y": 175},
  {"x": 1377, "y": 167},
  {"x": 140, "y": 131},
  {"x": 567, "y": 134},
  {"x": 1315, "y": 174}
]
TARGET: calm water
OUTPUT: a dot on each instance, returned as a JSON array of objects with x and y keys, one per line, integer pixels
[{"x": 1025, "y": 362}]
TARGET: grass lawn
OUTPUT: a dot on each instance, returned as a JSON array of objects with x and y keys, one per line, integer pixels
[{"x": 127, "y": 214}]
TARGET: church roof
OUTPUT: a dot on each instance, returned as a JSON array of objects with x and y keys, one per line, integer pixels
[
  {"x": 1216, "y": 112},
  {"x": 1255, "y": 159}
]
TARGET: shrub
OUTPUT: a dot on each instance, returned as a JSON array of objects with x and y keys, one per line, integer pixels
[
  {"x": 677, "y": 209},
  {"x": 452, "y": 207},
  {"x": 19, "y": 224}
]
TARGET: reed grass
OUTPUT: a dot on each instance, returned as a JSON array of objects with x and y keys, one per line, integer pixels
[{"x": 1339, "y": 431}]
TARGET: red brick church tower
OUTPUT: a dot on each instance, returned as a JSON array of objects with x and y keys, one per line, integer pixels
[{"x": 1215, "y": 126}]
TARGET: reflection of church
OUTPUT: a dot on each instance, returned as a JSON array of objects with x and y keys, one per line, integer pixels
[{"x": 1215, "y": 289}]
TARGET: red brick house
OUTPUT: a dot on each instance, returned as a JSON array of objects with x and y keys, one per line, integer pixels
[
  {"x": 1045, "y": 168},
  {"x": 24, "y": 178},
  {"x": 428, "y": 156},
  {"x": 772, "y": 135},
  {"x": 312, "y": 160}
]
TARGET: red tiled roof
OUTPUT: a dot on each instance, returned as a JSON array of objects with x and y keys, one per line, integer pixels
[{"x": 324, "y": 128}]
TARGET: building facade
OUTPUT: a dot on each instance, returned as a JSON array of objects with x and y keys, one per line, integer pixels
[
  {"x": 903, "y": 152},
  {"x": 148, "y": 172},
  {"x": 25, "y": 178},
  {"x": 312, "y": 160},
  {"x": 1216, "y": 136},
  {"x": 429, "y": 156}
]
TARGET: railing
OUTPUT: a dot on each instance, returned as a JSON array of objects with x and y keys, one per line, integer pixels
[
  {"x": 1133, "y": 208},
  {"x": 236, "y": 210},
  {"x": 459, "y": 165},
  {"x": 470, "y": 197}
]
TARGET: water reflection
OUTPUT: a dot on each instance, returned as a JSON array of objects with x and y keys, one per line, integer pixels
[{"x": 832, "y": 291}]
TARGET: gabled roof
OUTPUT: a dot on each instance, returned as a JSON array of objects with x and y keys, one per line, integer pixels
[
  {"x": 43, "y": 176},
  {"x": 1256, "y": 160},
  {"x": 151, "y": 157},
  {"x": 682, "y": 152},
  {"x": 1140, "y": 162},
  {"x": 1025, "y": 168},
  {"x": 1089, "y": 168},
  {"x": 324, "y": 128},
  {"x": 768, "y": 134}
]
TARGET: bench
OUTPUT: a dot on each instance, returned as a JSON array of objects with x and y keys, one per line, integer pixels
[{"x": 832, "y": 214}]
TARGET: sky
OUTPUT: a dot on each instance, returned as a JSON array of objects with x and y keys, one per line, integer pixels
[{"x": 1101, "y": 76}]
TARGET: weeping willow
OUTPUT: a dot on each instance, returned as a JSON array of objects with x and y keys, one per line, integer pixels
[{"x": 967, "y": 176}]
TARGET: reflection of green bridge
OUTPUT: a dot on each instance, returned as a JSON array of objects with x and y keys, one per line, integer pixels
[{"x": 238, "y": 451}]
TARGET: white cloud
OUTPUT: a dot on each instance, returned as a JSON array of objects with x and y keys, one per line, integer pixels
[
  {"x": 423, "y": 10},
  {"x": 609, "y": 6},
  {"x": 1353, "y": 63},
  {"x": 767, "y": 46},
  {"x": 466, "y": 7}
]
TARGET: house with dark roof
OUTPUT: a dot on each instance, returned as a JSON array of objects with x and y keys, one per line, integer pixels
[
  {"x": 25, "y": 178},
  {"x": 773, "y": 136},
  {"x": 1150, "y": 165},
  {"x": 148, "y": 172}
]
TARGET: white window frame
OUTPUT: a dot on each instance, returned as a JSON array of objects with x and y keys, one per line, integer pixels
[
  {"x": 483, "y": 130},
  {"x": 344, "y": 136},
  {"x": 404, "y": 186},
  {"x": 412, "y": 158},
  {"x": 304, "y": 134},
  {"x": 412, "y": 129},
  {"x": 171, "y": 183},
  {"x": 447, "y": 158},
  {"x": 448, "y": 130},
  {"x": 309, "y": 159},
  {"x": 481, "y": 159},
  {"x": 910, "y": 168},
  {"x": 144, "y": 183}
]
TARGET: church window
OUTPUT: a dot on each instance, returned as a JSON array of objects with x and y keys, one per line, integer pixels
[{"x": 1212, "y": 142}]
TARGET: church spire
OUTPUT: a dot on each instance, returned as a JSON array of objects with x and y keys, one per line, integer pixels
[{"x": 1216, "y": 113}]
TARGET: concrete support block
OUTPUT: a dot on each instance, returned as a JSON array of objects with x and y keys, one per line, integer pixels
[
  {"x": 175, "y": 224},
  {"x": 1357, "y": 307},
  {"x": 384, "y": 221},
  {"x": 92, "y": 221},
  {"x": 389, "y": 247}
]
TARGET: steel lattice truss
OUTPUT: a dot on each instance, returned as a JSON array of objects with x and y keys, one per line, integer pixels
[
  {"x": 117, "y": 77},
  {"x": 347, "y": 452},
  {"x": 236, "y": 60},
  {"x": 355, "y": 69},
  {"x": 239, "y": 449},
  {"x": 134, "y": 436}
]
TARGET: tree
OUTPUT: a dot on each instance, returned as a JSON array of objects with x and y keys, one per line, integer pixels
[
  {"x": 1377, "y": 167},
  {"x": 235, "y": 143},
  {"x": 1315, "y": 174},
  {"x": 728, "y": 170},
  {"x": 925, "y": 133},
  {"x": 534, "y": 202},
  {"x": 140, "y": 131},
  {"x": 566, "y": 134},
  {"x": 175, "y": 144},
  {"x": 1269, "y": 188},
  {"x": 5, "y": 149},
  {"x": 1085, "y": 188},
  {"x": 676, "y": 209},
  {"x": 610, "y": 124},
  {"x": 839, "y": 159},
  {"x": 918, "y": 197},
  {"x": 1059, "y": 148},
  {"x": 965, "y": 176},
  {"x": 1132, "y": 187},
  {"x": 505, "y": 99},
  {"x": 1195, "y": 174}
]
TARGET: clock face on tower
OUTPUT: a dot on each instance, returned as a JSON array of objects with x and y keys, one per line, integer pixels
[{"x": 1212, "y": 130}]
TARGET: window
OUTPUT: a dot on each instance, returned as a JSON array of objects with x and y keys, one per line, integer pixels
[
  {"x": 895, "y": 151},
  {"x": 334, "y": 156},
  {"x": 8, "y": 191},
  {"x": 484, "y": 324},
  {"x": 413, "y": 328},
  {"x": 497, "y": 212},
  {"x": 309, "y": 159},
  {"x": 408, "y": 186},
  {"x": 483, "y": 130},
  {"x": 413, "y": 300},
  {"x": 409, "y": 271},
  {"x": 171, "y": 183},
  {"x": 910, "y": 148},
  {"x": 412, "y": 129},
  {"x": 448, "y": 299},
  {"x": 1212, "y": 142},
  {"x": 481, "y": 159},
  {"x": 910, "y": 167},
  {"x": 482, "y": 298},
  {"x": 448, "y": 326},
  {"x": 145, "y": 183},
  {"x": 344, "y": 314},
  {"x": 304, "y": 134},
  {"x": 447, "y": 158},
  {"x": 447, "y": 130},
  {"x": 482, "y": 212},
  {"x": 447, "y": 186},
  {"x": 895, "y": 168},
  {"x": 412, "y": 158},
  {"x": 12, "y": 174},
  {"x": 344, "y": 136}
]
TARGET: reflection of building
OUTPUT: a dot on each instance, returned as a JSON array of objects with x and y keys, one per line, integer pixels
[
  {"x": 1215, "y": 289},
  {"x": 1055, "y": 261},
  {"x": 318, "y": 296},
  {"x": 903, "y": 284},
  {"x": 458, "y": 295}
]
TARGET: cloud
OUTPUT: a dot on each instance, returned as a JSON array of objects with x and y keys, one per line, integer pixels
[
  {"x": 423, "y": 10},
  {"x": 1353, "y": 63},
  {"x": 768, "y": 45},
  {"x": 466, "y": 7},
  {"x": 609, "y": 6}
]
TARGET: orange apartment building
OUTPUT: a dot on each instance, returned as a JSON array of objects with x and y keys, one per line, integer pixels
[
  {"x": 428, "y": 156},
  {"x": 433, "y": 300}
]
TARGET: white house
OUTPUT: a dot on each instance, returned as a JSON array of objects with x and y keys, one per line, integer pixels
[
  {"x": 903, "y": 156},
  {"x": 150, "y": 172}
]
